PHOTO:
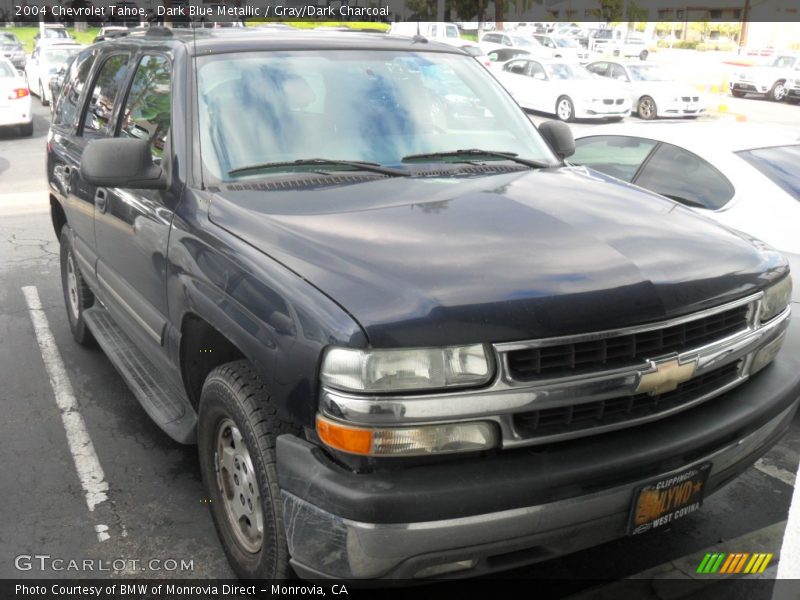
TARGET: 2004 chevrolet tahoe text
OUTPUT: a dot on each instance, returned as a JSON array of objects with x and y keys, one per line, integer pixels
[{"x": 408, "y": 338}]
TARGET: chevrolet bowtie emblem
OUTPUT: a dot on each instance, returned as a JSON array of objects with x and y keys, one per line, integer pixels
[{"x": 668, "y": 375}]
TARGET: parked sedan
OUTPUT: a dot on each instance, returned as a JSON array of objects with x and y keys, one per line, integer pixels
[
  {"x": 15, "y": 99},
  {"x": 652, "y": 92},
  {"x": 497, "y": 40},
  {"x": 563, "y": 47},
  {"x": 44, "y": 63},
  {"x": 565, "y": 89},
  {"x": 744, "y": 176},
  {"x": 11, "y": 48}
]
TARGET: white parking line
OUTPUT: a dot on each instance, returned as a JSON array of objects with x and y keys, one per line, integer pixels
[
  {"x": 80, "y": 444},
  {"x": 778, "y": 473}
]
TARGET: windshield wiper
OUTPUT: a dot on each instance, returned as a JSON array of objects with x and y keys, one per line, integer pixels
[
  {"x": 476, "y": 153},
  {"x": 354, "y": 165}
]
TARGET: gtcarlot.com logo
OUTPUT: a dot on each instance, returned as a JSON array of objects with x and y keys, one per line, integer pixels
[
  {"x": 736, "y": 562},
  {"x": 46, "y": 562}
]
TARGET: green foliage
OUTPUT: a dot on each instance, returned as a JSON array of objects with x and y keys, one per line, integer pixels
[
  {"x": 706, "y": 46},
  {"x": 26, "y": 35}
]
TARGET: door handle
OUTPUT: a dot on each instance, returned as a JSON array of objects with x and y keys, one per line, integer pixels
[{"x": 100, "y": 200}]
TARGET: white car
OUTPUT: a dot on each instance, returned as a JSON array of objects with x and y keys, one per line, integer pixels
[
  {"x": 743, "y": 175},
  {"x": 632, "y": 48},
  {"x": 45, "y": 62},
  {"x": 565, "y": 89},
  {"x": 15, "y": 99},
  {"x": 445, "y": 33},
  {"x": 793, "y": 85},
  {"x": 563, "y": 47},
  {"x": 498, "y": 40},
  {"x": 769, "y": 81},
  {"x": 653, "y": 93}
]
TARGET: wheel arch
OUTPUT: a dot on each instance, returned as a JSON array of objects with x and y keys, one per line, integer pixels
[{"x": 57, "y": 215}]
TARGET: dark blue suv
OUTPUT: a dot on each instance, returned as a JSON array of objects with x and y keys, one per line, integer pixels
[{"x": 409, "y": 339}]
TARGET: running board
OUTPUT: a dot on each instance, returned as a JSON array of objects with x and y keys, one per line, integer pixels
[{"x": 159, "y": 398}]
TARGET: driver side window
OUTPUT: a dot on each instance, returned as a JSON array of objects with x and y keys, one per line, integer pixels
[{"x": 148, "y": 107}]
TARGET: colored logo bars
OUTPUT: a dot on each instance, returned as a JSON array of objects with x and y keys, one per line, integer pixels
[{"x": 737, "y": 562}]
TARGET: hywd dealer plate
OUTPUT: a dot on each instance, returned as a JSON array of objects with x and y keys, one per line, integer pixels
[{"x": 669, "y": 499}]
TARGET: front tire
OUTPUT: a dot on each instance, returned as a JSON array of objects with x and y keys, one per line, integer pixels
[
  {"x": 237, "y": 431},
  {"x": 778, "y": 91},
  {"x": 737, "y": 93},
  {"x": 646, "y": 108},
  {"x": 77, "y": 294},
  {"x": 565, "y": 109}
]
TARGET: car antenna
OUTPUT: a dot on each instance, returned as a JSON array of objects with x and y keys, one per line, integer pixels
[{"x": 419, "y": 38}]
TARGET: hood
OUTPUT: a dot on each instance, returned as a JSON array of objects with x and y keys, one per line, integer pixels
[
  {"x": 667, "y": 88},
  {"x": 436, "y": 261}
]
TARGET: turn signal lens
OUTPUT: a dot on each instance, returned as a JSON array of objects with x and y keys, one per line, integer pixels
[
  {"x": 407, "y": 441},
  {"x": 18, "y": 93}
]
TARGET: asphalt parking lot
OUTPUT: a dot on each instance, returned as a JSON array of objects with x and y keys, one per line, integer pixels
[{"x": 156, "y": 508}]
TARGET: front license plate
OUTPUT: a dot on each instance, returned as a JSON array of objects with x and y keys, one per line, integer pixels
[{"x": 661, "y": 502}]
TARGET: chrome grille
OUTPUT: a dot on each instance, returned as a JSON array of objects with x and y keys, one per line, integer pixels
[
  {"x": 620, "y": 351},
  {"x": 577, "y": 417}
]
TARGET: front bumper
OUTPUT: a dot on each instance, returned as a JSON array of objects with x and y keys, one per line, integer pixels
[
  {"x": 495, "y": 512},
  {"x": 598, "y": 110},
  {"x": 750, "y": 87}
]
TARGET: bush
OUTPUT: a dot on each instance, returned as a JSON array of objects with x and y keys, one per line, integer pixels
[
  {"x": 706, "y": 46},
  {"x": 679, "y": 44}
]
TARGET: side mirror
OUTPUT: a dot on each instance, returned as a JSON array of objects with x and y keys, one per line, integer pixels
[
  {"x": 122, "y": 163},
  {"x": 559, "y": 136}
]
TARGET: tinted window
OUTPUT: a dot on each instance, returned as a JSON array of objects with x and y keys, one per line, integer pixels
[
  {"x": 66, "y": 112},
  {"x": 101, "y": 102},
  {"x": 618, "y": 156},
  {"x": 147, "y": 110},
  {"x": 779, "y": 164},
  {"x": 617, "y": 72},
  {"x": 599, "y": 68},
  {"x": 686, "y": 178},
  {"x": 518, "y": 67},
  {"x": 492, "y": 38},
  {"x": 537, "y": 71}
]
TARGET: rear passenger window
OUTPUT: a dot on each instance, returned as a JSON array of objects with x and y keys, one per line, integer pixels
[
  {"x": 147, "y": 110},
  {"x": 66, "y": 113},
  {"x": 101, "y": 102},
  {"x": 685, "y": 177}
]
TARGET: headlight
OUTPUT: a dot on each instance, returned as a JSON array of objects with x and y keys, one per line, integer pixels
[
  {"x": 400, "y": 370},
  {"x": 776, "y": 299},
  {"x": 407, "y": 441}
]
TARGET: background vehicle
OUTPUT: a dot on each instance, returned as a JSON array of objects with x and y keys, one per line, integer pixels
[
  {"x": 446, "y": 33},
  {"x": 632, "y": 47},
  {"x": 769, "y": 81},
  {"x": 793, "y": 85},
  {"x": 563, "y": 47},
  {"x": 565, "y": 89},
  {"x": 111, "y": 31},
  {"x": 11, "y": 48},
  {"x": 15, "y": 99},
  {"x": 653, "y": 93},
  {"x": 52, "y": 32},
  {"x": 502, "y": 55},
  {"x": 747, "y": 177},
  {"x": 603, "y": 40},
  {"x": 44, "y": 63},
  {"x": 497, "y": 41}
]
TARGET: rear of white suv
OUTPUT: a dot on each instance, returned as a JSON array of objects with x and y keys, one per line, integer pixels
[{"x": 15, "y": 100}]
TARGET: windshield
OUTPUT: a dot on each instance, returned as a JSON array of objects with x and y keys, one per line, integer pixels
[
  {"x": 779, "y": 164},
  {"x": 566, "y": 43},
  {"x": 57, "y": 57},
  {"x": 8, "y": 38},
  {"x": 784, "y": 62},
  {"x": 647, "y": 73},
  {"x": 378, "y": 107},
  {"x": 55, "y": 33},
  {"x": 566, "y": 71}
]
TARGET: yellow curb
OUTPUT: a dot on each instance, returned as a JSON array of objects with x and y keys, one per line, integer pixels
[
  {"x": 715, "y": 89},
  {"x": 723, "y": 108},
  {"x": 741, "y": 118}
]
